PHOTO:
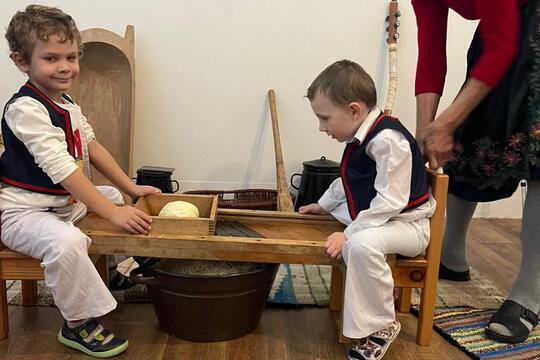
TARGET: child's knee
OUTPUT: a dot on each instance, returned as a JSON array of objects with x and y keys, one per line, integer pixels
[
  {"x": 362, "y": 246},
  {"x": 69, "y": 246},
  {"x": 76, "y": 240}
]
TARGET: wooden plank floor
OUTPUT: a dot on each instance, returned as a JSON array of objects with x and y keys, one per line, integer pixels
[{"x": 305, "y": 333}]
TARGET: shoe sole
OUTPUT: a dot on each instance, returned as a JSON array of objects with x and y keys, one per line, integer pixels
[
  {"x": 101, "y": 354},
  {"x": 455, "y": 278},
  {"x": 449, "y": 274},
  {"x": 504, "y": 338}
]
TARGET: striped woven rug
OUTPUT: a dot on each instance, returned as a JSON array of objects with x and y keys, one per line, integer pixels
[
  {"x": 295, "y": 285},
  {"x": 464, "y": 327}
]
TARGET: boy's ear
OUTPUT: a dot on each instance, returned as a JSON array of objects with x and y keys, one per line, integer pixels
[
  {"x": 20, "y": 62},
  {"x": 357, "y": 108}
]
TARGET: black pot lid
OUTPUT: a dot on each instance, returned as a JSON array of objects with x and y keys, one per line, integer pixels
[
  {"x": 155, "y": 170},
  {"x": 321, "y": 165}
]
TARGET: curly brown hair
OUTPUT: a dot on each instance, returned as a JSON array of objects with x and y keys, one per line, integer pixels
[{"x": 39, "y": 22}]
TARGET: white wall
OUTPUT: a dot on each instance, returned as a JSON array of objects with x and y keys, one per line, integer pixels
[{"x": 203, "y": 68}]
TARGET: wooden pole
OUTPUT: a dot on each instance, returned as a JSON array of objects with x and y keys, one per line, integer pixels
[
  {"x": 284, "y": 201},
  {"x": 393, "y": 35}
]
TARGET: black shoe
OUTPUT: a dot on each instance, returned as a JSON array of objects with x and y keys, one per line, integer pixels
[
  {"x": 146, "y": 261},
  {"x": 509, "y": 315},
  {"x": 120, "y": 282},
  {"x": 448, "y": 274}
]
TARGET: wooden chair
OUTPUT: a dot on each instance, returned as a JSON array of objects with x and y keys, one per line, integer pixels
[
  {"x": 108, "y": 64},
  {"x": 419, "y": 272}
]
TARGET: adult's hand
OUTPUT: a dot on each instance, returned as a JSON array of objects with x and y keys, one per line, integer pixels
[
  {"x": 436, "y": 142},
  {"x": 436, "y": 138}
]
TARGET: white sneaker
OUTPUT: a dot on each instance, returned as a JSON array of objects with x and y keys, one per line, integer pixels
[{"x": 375, "y": 345}]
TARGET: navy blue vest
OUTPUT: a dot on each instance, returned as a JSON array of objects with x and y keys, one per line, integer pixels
[
  {"x": 358, "y": 170},
  {"x": 17, "y": 166}
]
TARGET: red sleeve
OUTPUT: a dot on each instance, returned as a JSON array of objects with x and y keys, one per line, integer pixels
[
  {"x": 499, "y": 29},
  {"x": 431, "y": 20}
]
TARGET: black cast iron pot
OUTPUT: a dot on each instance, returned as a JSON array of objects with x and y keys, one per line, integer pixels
[
  {"x": 159, "y": 177},
  {"x": 317, "y": 176}
]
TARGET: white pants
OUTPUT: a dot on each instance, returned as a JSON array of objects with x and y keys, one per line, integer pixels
[
  {"x": 368, "y": 300},
  {"x": 77, "y": 289}
]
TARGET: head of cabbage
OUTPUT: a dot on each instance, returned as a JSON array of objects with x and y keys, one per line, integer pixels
[{"x": 179, "y": 209}]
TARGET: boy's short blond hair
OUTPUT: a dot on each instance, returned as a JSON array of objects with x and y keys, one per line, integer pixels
[
  {"x": 39, "y": 22},
  {"x": 344, "y": 82}
]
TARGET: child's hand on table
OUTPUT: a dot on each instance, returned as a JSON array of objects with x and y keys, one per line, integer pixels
[
  {"x": 312, "y": 209},
  {"x": 334, "y": 244},
  {"x": 141, "y": 190},
  {"x": 133, "y": 220}
]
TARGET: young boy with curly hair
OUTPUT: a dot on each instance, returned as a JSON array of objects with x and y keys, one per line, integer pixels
[{"x": 44, "y": 174}]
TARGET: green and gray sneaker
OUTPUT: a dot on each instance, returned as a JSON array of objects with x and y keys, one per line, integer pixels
[{"x": 92, "y": 339}]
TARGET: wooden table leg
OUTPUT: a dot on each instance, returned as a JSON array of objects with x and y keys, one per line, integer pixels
[
  {"x": 29, "y": 292},
  {"x": 101, "y": 262},
  {"x": 336, "y": 289},
  {"x": 4, "y": 321}
]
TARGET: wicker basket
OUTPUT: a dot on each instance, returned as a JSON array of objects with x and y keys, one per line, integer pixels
[{"x": 251, "y": 199}]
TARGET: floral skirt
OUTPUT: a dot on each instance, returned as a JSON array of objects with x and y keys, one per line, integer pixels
[{"x": 499, "y": 142}]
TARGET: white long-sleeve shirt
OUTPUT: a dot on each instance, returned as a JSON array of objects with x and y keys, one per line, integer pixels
[
  {"x": 29, "y": 121},
  {"x": 392, "y": 154}
]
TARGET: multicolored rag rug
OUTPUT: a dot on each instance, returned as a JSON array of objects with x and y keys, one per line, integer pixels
[
  {"x": 301, "y": 285},
  {"x": 295, "y": 285},
  {"x": 464, "y": 327}
]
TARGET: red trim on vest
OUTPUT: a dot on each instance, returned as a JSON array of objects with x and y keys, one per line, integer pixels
[
  {"x": 34, "y": 187},
  {"x": 78, "y": 143},
  {"x": 348, "y": 195},
  {"x": 382, "y": 116},
  {"x": 421, "y": 199},
  {"x": 350, "y": 202},
  {"x": 346, "y": 155},
  {"x": 63, "y": 112}
]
